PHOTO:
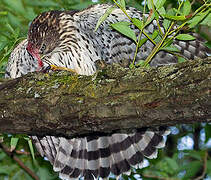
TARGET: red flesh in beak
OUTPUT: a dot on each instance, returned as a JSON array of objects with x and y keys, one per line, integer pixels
[{"x": 35, "y": 53}]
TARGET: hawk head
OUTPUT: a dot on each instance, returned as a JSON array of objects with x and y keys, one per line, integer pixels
[{"x": 43, "y": 35}]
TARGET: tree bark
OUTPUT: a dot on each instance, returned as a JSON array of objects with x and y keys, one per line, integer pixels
[{"x": 115, "y": 99}]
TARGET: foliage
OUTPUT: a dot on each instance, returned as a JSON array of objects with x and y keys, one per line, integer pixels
[
  {"x": 162, "y": 40},
  {"x": 10, "y": 169},
  {"x": 174, "y": 162}
]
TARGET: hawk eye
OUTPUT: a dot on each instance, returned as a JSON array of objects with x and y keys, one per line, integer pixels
[{"x": 42, "y": 49}]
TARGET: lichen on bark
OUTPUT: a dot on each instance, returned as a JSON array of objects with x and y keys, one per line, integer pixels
[{"x": 115, "y": 99}]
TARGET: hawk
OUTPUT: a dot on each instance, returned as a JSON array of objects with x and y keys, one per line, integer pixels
[{"x": 68, "y": 39}]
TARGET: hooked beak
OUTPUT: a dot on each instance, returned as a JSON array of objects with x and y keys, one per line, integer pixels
[{"x": 35, "y": 53}]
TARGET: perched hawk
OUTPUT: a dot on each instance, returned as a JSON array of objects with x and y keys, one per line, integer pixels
[{"x": 67, "y": 39}]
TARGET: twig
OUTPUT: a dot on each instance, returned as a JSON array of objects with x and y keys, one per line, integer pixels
[
  {"x": 20, "y": 163},
  {"x": 204, "y": 168},
  {"x": 26, "y": 153},
  {"x": 22, "y": 152}
]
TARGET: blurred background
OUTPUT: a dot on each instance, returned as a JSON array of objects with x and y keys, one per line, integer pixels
[{"x": 188, "y": 150}]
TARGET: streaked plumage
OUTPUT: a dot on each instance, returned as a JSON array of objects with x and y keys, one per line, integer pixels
[{"x": 67, "y": 39}]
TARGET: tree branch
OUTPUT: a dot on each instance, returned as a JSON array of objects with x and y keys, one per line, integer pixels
[{"x": 115, "y": 100}]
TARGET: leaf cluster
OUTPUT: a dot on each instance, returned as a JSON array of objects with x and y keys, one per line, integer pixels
[{"x": 174, "y": 21}]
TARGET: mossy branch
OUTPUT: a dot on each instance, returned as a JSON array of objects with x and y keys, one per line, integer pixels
[{"x": 114, "y": 100}]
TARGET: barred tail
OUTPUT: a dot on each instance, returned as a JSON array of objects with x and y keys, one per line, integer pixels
[
  {"x": 91, "y": 157},
  {"x": 193, "y": 49}
]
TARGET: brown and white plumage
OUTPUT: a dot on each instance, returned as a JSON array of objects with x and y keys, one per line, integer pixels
[{"x": 67, "y": 39}]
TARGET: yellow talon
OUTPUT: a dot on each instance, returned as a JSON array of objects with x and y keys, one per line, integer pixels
[{"x": 56, "y": 68}]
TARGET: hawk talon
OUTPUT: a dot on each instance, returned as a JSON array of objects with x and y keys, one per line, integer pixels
[{"x": 58, "y": 68}]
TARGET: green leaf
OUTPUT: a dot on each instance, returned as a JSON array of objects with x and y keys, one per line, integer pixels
[
  {"x": 139, "y": 24},
  {"x": 172, "y": 163},
  {"x": 14, "y": 20},
  {"x": 149, "y": 3},
  {"x": 8, "y": 50},
  {"x": 123, "y": 28},
  {"x": 155, "y": 34},
  {"x": 78, "y": 6},
  {"x": 10, "y": 28},
  {"x": 43, "y": 173},
  {"x": 167, "y": 22},
  {"x": 186, "y": 8},
  {"x": 208, "y": 44},
  {"x": 177, "y": 18},
  {"x": 31, "y": 148},
  {"x": 142, "y": 41},
  {"x": 16, "y": 33},
  {"x": 181, "y": 59},
  {"x": 207, "y": 20},
  {"x": 104, "y": 17},
  {"x": 30, "y": 14},
  {"x": 192, "y": 168},
  {"x": 156, "y": 15},
  {"x": 159, "y": 3},
  {"x": 171, "y": 48},
  {"x": 158, "y": 39},
  {"x": 197, "y": 155},
  {"x": 122, "y": 23},
  {"x": 122, "y": 3},
  {"x": 13, "y": 143},
  {"x": 177, "y": 11},
  {"x": 3, "y": 13},
  {"x": 140, "y": 63},
  {"x": 47, "y": 4},
  {"x": 209, "y": 167},
  {"x": 131, "y": 66},
  {"x": 2, "y": 156},
  {"x": 7, "y": 169},
  {"x": 207, "y": 132},
  {"x": 16, "y": 5},
  {"x": 185, "y": 37},
  {"x": 161, "y": 10},
  {"x": 198, "y": 18}
]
